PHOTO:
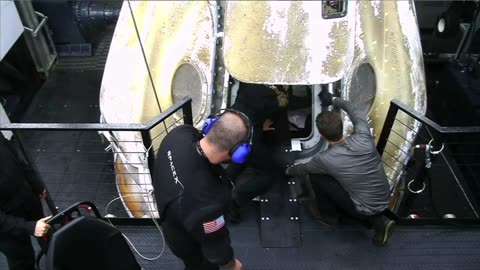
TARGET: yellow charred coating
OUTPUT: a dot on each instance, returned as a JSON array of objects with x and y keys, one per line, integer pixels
[
  {"x": 172, "y": 33},
  {"x": 338, "y": 34},
  {"x": 271, "y": 42},
  {"x": 388, "y": 52},
  {"x": 124, "y": 184},
  {"x": 280, "y": 42}
]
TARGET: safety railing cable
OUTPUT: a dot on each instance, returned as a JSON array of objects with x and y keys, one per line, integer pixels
[
  {"x": 426, "y": 146},
  {"x": 76, "y": 163}
]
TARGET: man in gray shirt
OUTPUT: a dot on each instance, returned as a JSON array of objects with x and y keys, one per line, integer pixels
[{"x": 348, "y": 177}]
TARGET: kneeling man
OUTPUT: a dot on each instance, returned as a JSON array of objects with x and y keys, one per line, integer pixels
[{"x": 348, "y": 177}]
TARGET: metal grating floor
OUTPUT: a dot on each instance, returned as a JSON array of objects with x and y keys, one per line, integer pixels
[
  {"x": 346, "y": 247},
  {"x": 72, "y": 96},
  {"x": 74, "y": 164},
  {"x": 94, "y": 62}
]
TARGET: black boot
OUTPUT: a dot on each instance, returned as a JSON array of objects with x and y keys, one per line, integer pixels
[
  {"x": 382, "y": 228},
  {"x": 329, "y": 220}
]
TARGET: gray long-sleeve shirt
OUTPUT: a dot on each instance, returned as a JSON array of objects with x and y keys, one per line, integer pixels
[{"x": 354, "y": 163}]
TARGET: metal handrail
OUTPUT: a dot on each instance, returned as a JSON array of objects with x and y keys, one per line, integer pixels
[
  {"x": 425, "y": 120},
  {"x": 442, "y": 132},
  {"x": 184, "y": 104},
  {"x": 396, "y": 105}
]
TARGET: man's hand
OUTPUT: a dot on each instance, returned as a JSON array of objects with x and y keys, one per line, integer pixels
[
  {"x": 232, "y": 265},
  {"x": 42, "y": 227},
  {"x": 326, "y": 98},
  {"x": 238, "y": 265},
  {"x": 267, "y": 125},
  {"x": 43, "y": 195}
]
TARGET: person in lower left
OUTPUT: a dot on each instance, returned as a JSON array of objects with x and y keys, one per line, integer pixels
[{"x": 21, "y": 213}]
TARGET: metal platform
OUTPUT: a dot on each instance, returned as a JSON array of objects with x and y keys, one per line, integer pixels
[
  {"x": 73, "y": 164},
  {"x": 94, "y": 62},
  {"x": 346, "y": 247},
  {"x": 72, "y": 96}
]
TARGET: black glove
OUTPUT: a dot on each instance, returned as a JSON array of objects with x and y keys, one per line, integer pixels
[{"x": 326, "y": 98}]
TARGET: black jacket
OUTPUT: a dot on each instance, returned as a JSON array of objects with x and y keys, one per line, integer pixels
[
  {"x": 193, "y": 192},
  {"x": 258, "y": 102},
  {"x": 20, "y": 206}
]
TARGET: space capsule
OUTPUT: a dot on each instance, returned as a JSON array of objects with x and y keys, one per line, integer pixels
[{"x": 369, "y": 52}]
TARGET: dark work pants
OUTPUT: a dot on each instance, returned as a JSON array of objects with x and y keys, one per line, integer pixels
[
  {"x": 18, "y": 247},
  {"x": 250, "y": 184},
  {"x": 183, "y": 245},
  {"x": 334, "y": 201},
  {"x": 19, "y": 251}
]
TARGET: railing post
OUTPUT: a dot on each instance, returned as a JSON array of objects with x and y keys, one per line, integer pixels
[
  {"x": 187, "y": 113},
  {"x": 148, "y": 143},
  {"x": 387, "y": 127}
]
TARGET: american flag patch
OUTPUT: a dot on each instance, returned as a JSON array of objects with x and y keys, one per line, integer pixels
[{"x": 214, "y": 225}]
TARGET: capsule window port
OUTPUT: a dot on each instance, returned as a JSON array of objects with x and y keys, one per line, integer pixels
[{"x": 334, "y": 9}]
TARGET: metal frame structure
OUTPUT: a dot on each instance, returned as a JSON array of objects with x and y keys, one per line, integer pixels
[
  {"x": 440, "y": 135},
  {"x": 185, "y": 105}
]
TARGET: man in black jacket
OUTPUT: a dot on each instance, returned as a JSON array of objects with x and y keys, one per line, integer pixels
[
  {"x": 21, "y": 213},
  {"x": 192, "y": 191},
  {"x": 260, "y": 103}
]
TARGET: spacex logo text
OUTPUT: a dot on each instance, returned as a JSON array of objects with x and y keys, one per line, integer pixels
[{"x": 172, "y": 167}]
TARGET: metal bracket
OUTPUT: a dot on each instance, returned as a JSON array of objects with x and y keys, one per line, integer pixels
[
  {"x": 435, "y": 152},
  {"x": 415, "y": 191},
  {"x": 39, "y": 26},
  {"x": 429, "y": 151}
]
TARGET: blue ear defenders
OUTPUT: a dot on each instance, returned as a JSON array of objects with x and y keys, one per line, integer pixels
[{"x": 241, "y": 150}]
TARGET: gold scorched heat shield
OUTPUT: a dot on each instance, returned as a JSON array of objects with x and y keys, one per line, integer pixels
[{"x": 193, "y": 48}]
